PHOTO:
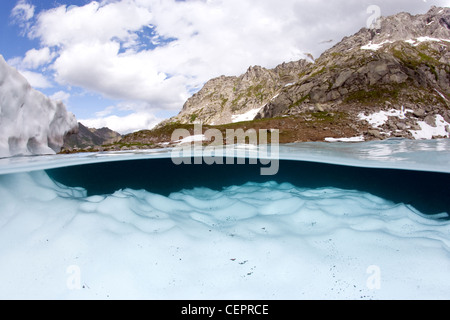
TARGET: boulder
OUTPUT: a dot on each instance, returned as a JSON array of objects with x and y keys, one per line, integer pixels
[
  {"x": 430, "y": 120},
  {"x": 419, "y": 113}
]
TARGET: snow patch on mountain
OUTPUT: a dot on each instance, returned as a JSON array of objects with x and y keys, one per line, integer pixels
[
  {"x": 440, "y": 129},
  {"x": 374, "y": 46},
  {"x": 419, "y": 40},
  {"x": 248, "y": 116},
  {"x": 379, "y": 118}
]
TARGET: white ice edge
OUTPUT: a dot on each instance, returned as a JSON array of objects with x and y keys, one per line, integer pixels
[
  {"x": 352, "y": 139},
  {"x": 423, "y": 155},
  {"x": 30, "y": 122}
]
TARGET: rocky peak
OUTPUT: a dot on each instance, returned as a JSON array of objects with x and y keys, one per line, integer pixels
[
  {"x": 402, "y": 65},
  {"x": 254, "y": 72},
  {"x": 405, "y": 64},
  {"x": 400, "y": 27},
  {"x": 88, "y": 138},
  {"x": 223, "y": 99}
]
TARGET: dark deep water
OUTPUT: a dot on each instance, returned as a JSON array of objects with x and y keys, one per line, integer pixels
[{"x": 428, "y": 192}]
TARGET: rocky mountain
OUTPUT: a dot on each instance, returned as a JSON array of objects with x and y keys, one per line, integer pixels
[
  {"x": 221, "y": 100},
  {"x": 393, "y": 81},
  {"x": 89, "y": 138}
]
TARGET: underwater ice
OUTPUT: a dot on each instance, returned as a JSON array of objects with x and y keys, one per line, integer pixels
[
  {"x": 253, "y": 241},
  {"x": 265, "y": 240}
]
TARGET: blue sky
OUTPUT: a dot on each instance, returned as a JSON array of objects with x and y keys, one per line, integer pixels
[
  {"x": 128, "y": 64},
  {"x": 14, "y": 43}
]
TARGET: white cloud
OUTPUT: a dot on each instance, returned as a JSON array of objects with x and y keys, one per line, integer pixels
[
  {"x": 23, "y": 11},
  {"x": 98, "y": 45},
  {"x": 93, "y": 22},
  {"x": 35, "y": 58},
  {"x": 123, "y": 125},
  {"x": 22, "y": 14},
  {"x": 60, "y": 96},
  {"x": 97, "y": 50},
  {"x": 106, "y": 112},
  {"x": 36, "y": 80},
  {"x": 108, "y": 46},
  {"x": 15, "y": 62},
  {"x": 99, "y": 67}
]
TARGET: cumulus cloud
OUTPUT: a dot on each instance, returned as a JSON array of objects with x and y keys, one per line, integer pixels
[
  {"x": 160, "y": 52},
  {"x": 29, "y": 66},
  {"x": 23, "y": 11},
  {"x": 93, "y": 22},
  {"x": 99, "y": 67},
  {"x": 36, "y": 80},
  {"x": 60, "y": 96},
  {"x": 124, "y": 125},
  {"x": 36, "y": 58}
]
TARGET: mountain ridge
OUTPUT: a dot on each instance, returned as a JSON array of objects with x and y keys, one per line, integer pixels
[
  {"x": 403, "y": 64},
  {"x": 387, "y": 82},
  {"x": 89, "y": 138},
  {"x": 221, "y": 97}
]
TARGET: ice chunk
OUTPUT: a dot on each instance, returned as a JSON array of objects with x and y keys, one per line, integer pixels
[
  {"x": 352, "y": 139},
  {"x": 30, "y": 123}
]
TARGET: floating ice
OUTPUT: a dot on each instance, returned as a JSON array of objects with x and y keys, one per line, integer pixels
[
  {"x": 30, "y": 123},
  {"x": 352, "y": 139}
]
